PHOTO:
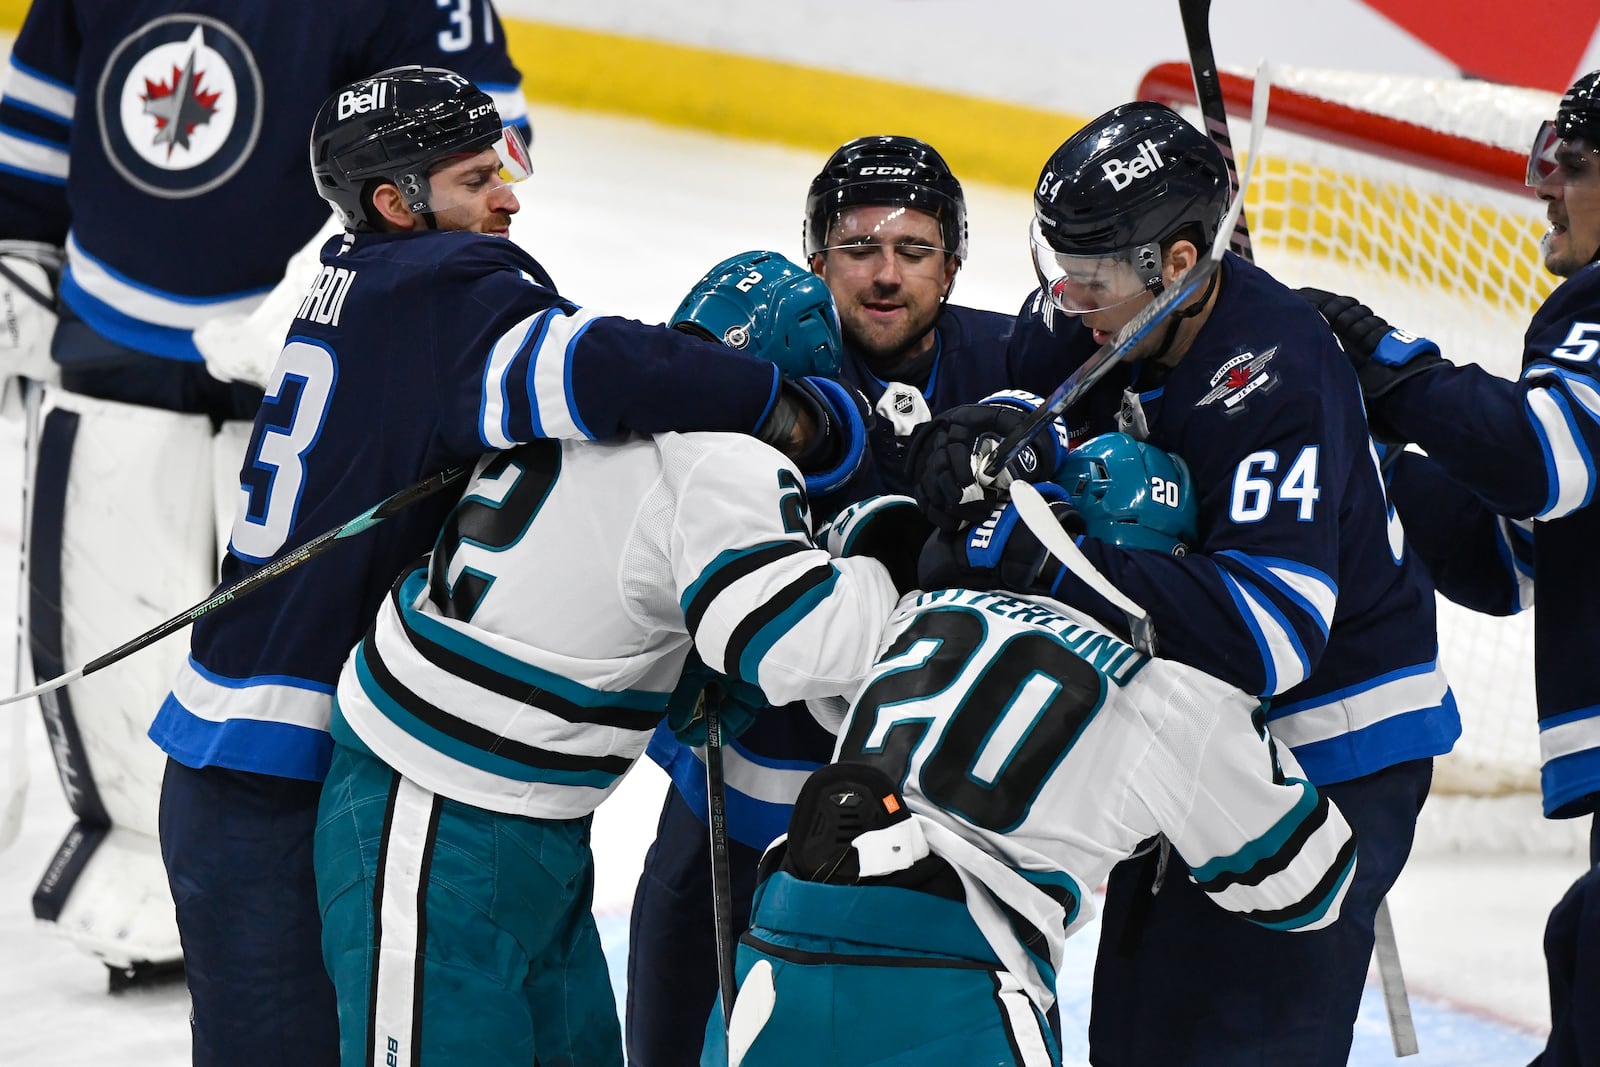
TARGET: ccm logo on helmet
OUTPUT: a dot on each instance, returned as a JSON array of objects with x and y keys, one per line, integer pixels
[
  {"x": 887, "y": 172},
  {"x": 354, "y": 103},
  {"x": 1121, "y": 173}
]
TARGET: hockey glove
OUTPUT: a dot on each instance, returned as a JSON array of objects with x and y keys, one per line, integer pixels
[
  {"x": 941, "y": 458},
  {"x": 890, "y": 529},
  {"x": 842, "y": 418},
  {"x": 1382, "y": 356},
  {"x": 1000, "y": 552},
  {"x": 738, "y": 703}
]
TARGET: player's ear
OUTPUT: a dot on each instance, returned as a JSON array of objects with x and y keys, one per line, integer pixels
[
  {"x": 1181, "y": 255},
  {"x": 391, "y": 207}
]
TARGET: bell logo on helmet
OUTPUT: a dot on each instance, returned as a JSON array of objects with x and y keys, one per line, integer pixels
[
  {"x": 1122, "y": 173},
  {"x": 352, "y": 102}
]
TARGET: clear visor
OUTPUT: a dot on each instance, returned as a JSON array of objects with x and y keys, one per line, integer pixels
[
  {"x": 1556, "y": 160},
  {"x": 1078, "y": 285},
  {"x": 457, "y": 180}
]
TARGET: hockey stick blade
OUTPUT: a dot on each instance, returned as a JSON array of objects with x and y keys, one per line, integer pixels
[
  {"x": 1042, "y": 522},
  {"x": 380, "y": 511},
  {"x": 1114, "y": 351}
]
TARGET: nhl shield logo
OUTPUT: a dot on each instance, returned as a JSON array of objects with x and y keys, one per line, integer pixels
[{"x": 179, "y": 104}]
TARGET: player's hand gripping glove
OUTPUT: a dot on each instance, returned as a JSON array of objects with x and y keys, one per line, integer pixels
[
  {"x": 890, "y": 529},
  {"x": 842, "y": 418},
  {"x": 737, "y": 702},
  {"x": 942, "y": 458},
  {"x": 1382, "y": 355},
  {"x": 999, "y": 553}
]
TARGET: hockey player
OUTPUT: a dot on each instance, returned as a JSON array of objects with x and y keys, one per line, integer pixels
[
  {"x": 1299, "y": 589},
  {"x": 1004, "y": 753},
  {"x": 886, "y": 228},
  {"x": 475, "y": 737},
  {"x": 427, "y": 340},
  {"x": 163, "y": 145},
  {"x": 1503, "y": 526}
]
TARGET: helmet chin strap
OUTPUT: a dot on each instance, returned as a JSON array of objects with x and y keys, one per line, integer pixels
[{"x": 1176, "y": 320}]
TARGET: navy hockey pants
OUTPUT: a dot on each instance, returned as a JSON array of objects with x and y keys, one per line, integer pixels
[
  {"x": 238, "y": 852},
  {"x": 672, "y": 957},
  {"x": 1572, "y": 954},
  {"x": 1180, "y": 981}
]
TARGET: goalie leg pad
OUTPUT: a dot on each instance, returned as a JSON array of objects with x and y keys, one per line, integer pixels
[{"x": 122, "y": 536}]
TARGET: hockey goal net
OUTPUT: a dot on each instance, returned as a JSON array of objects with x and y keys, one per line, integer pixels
[{"x": 1408, "y": 193}]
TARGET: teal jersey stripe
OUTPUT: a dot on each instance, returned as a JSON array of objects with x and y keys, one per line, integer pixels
[
  {"x": 1268, "y": 844},
  {"x": 770, "y": 634}
]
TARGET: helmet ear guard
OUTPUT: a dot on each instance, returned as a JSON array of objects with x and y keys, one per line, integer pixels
[
  {"x": 1131, "y": 493},
  {"x": 761, "y": 303}
]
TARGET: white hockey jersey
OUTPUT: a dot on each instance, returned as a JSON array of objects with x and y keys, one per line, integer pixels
[
  {"x": 1035, "y": 750},
  {"x": 523, "y": 667}
]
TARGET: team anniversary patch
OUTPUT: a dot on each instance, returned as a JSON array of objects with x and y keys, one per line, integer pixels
[{"x": 1240, "y": 378}]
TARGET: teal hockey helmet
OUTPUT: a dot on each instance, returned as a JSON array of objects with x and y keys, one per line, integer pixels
[
  {"x": 1130, "y": 493},
  {"x": 761, "y": 303}
]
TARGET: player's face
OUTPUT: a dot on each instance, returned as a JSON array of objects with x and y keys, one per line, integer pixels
[
  {"x": 1565, "y": 172},
  {"x": 479, "y": 198},
  {"x": 888, "y": 272}
]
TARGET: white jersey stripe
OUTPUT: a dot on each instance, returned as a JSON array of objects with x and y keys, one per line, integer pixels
[
  {"x": 38, "y": 159},
  {"x": 1022, "y": 1023},
  {"x": 496, "y": 397},
  {"x": 551, "y": 364},
  {"x": 401, "y": 932},
  {"x": 39, "y": 93},
  {"x": 1576, "y": 735},
  {"x": 1571, "y": 467},
  {"x": 291, "y": 701},
  {"x": 1357, "y": 710},
  {"x": 150, "y": 305},
  {"x": 1278, "y": 644}
]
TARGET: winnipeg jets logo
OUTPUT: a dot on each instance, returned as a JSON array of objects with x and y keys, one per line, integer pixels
[
  {"x": 179, "y": 105},
  {"x": 182, "y": 104},
  {"x": 1239, "y": 378}
]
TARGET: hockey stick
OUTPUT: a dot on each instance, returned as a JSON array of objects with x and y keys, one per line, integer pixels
[
  {"x": 990, "y": 463},
  {"x": 721, "y": 877},
  {"x": 1196, "y": 15},
  {"x": 1401, "y": 1026},
  {"x": 384, "y": 509},
  {"x": 1042, "y": 522}
]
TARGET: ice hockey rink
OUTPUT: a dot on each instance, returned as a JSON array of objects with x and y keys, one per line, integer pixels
[{"x": 625, "y": 215}]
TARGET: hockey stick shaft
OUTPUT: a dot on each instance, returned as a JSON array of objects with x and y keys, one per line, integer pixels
[
  {"x": 1402, "y": 1028},
  {"x": 1114, "y": 351},
  {"x": 244, "y": 586},
  {"x": 721, "y": 877},
  {"x": 1196, "y": 15}
]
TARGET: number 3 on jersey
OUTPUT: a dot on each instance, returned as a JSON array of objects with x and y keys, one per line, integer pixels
[{"x": 274, "y": 471}]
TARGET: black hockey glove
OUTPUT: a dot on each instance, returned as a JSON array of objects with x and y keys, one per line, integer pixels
[
  {"x": 842, "y": 417},
  {"x": 890, "y": 529},
  {"x": 1382, "y": 355},
  {"x": 738, "y": 703},
  {"x": 940, "y": 458},
  {"x": 999, "y": 553}
]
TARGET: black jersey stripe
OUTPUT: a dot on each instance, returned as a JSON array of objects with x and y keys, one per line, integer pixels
[
  {"x": 768, "y": 611},
  {"x": 1314, "y": 899},
  {"x": 470, "y": 670},
  {"x": 1271, "y": 864},
  {"x": 477, "y": 737},
  {"x": 731, "y": 572}
]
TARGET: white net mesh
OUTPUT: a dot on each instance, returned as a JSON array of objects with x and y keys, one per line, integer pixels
[{"x": 1439, "y": 255}]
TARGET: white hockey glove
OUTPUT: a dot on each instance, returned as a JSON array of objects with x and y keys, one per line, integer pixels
[
  {"x": 244, "y": 348},
  {"x": 29, "y": 271}
]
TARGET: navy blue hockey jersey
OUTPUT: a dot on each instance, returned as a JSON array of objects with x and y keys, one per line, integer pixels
[
  {"x": 1300, "y": 589},
  {"x": 766, "y": 765},
  {"x": 1503, "y": 511},
  {"x": 411, "y": 353},
  {"x": 165, "y": 144}
]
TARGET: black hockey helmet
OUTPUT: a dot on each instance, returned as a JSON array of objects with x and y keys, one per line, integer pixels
[
  {"x": 1573, "y": 133},
  {"x": 1112, "y": 193},
  {"x": 886, "y": 170},
  {"x": 392, "y": 126}
]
